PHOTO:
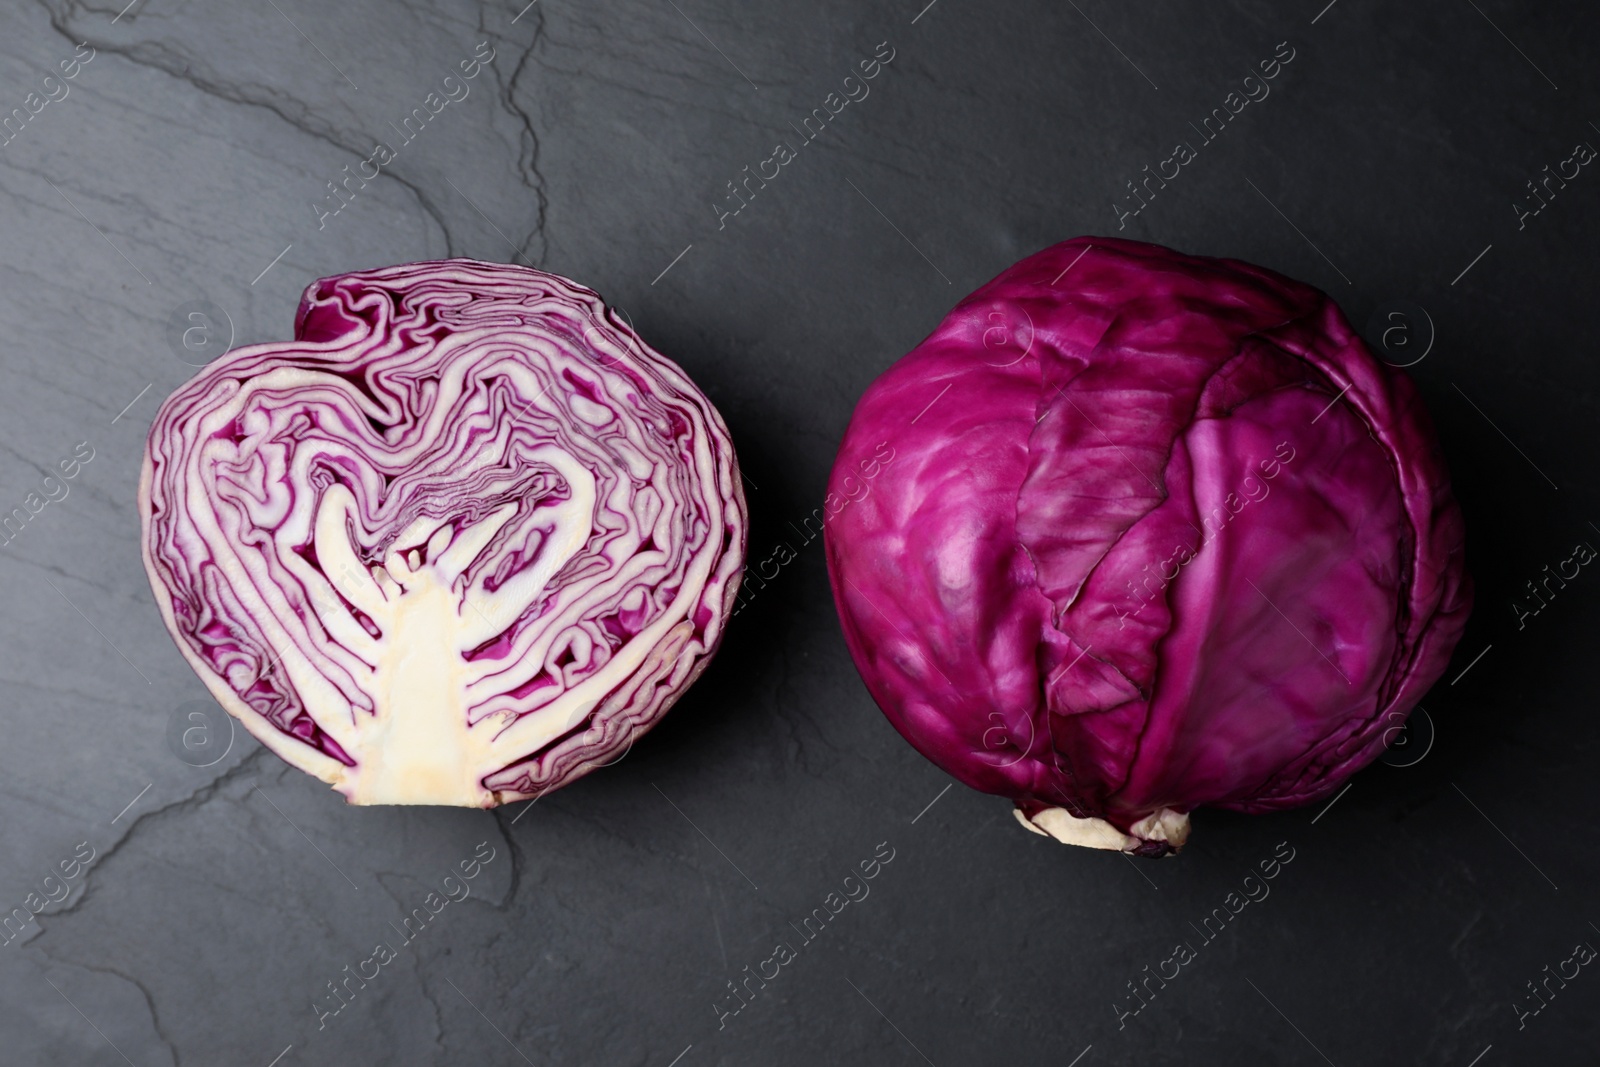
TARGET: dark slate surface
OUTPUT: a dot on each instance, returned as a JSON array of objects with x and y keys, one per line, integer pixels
[{"x": 184, "y": 163}]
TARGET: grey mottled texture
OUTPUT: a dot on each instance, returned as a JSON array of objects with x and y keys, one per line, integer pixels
[{"x": 597, "y": 143}]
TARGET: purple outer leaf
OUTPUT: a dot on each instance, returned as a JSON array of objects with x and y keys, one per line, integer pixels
[{"x": 1137, "y": 558}]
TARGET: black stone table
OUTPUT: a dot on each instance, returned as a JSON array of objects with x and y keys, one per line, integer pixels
[{"x": 167, "y": 159}]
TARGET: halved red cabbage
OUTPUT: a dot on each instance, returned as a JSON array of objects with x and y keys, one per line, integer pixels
[
  {"x": 1159, "y": 533},
  {"x": 458, "y": 543}
]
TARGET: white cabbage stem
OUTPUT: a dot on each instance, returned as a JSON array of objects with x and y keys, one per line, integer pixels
[{"x": 1166, "y": 825}]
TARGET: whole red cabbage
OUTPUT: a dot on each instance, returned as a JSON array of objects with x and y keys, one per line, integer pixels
[
  {"x": 1158, "y": 532},
  {"x": 459, "y": 542}
]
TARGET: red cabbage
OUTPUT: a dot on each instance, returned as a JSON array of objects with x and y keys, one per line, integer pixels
[
  {"x": 459, "y": 542},
  {"x": 1160, "y": 533}
]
